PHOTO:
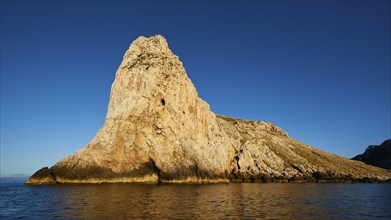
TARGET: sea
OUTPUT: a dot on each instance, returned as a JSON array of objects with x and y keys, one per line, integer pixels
[{"x": 195, "y": 201}]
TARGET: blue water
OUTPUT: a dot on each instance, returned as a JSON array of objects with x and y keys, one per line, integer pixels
[{"x": 214, "y": 201}]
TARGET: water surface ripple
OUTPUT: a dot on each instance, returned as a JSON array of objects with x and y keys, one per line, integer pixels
[{"x": 213, "y": 201}]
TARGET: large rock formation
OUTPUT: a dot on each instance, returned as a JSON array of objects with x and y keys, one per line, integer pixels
[
  {"x": 377, "y": 155},
  {"x": 157, "y": 129}
]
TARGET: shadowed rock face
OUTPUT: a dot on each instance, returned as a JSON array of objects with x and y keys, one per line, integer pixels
[
  {"x": 377, "y": 155},
  {"x": 42, "y": 176},
  {"x": 157, "y": 129}
]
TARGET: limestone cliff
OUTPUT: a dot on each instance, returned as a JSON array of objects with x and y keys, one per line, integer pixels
[{"x": 157, "y": 129}]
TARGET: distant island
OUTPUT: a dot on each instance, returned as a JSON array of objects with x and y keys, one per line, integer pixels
[
  {"x": 15, "y": 176},
  {"x": 158, "y": 129},
  {"x": 377, "y": 155}
]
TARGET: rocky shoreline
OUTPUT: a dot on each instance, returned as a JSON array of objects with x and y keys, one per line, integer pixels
[{"x": 45, "y": 176}]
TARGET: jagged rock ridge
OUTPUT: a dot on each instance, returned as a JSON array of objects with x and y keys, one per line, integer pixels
[
  {"x": 377, "y": 155},
  {"x": 157, "y": 129}
]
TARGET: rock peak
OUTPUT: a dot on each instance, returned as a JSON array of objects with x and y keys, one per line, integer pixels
[
  {"x": 156, "y": 44},
  {"x": 148, "y": 74},
  {"x": 157, "y": 39}
]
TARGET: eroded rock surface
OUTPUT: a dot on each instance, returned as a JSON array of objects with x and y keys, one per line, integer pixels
[
  {"x": 157, "y": 129},
  {"x": 264, "y": 152}
]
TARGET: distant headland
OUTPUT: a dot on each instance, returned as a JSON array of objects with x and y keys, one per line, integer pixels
[{"x": 377, "y": 155}]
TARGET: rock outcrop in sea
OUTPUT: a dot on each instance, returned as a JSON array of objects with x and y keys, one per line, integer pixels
[
  {"x": 158, "y": 129},
  {"x": 377, "y": 155}
]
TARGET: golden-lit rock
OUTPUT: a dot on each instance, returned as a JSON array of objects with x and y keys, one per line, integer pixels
[{"x": 158, "y": 129}]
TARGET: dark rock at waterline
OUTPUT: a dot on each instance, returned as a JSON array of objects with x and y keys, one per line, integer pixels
[{"x": 42, "y": 176}]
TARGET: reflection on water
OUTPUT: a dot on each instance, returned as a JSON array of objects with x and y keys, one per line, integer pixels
[{"x": 216, "y": 201}]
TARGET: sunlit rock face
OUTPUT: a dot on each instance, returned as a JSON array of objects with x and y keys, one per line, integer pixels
[
  {"x": 265, "y": 153},
  {"x": 158, "y": 129}
]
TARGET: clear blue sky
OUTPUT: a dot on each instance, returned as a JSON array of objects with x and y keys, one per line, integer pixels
[{"x": 318, "y": 69}]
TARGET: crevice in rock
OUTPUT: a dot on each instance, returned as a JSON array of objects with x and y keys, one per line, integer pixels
[
  {"x": 156, "y": 170},
  {"x": 317, "y": 175},
  {"x": 252, "y": 178},
  {"x": 237, "y": 162},
  {"x": 297, "y": 168},
  {"x": 54, "y": 177},
  {"x": 233, "y": 173},
  {"x": 163, "y": 101},
  {"x": 197, "y": 171}
]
